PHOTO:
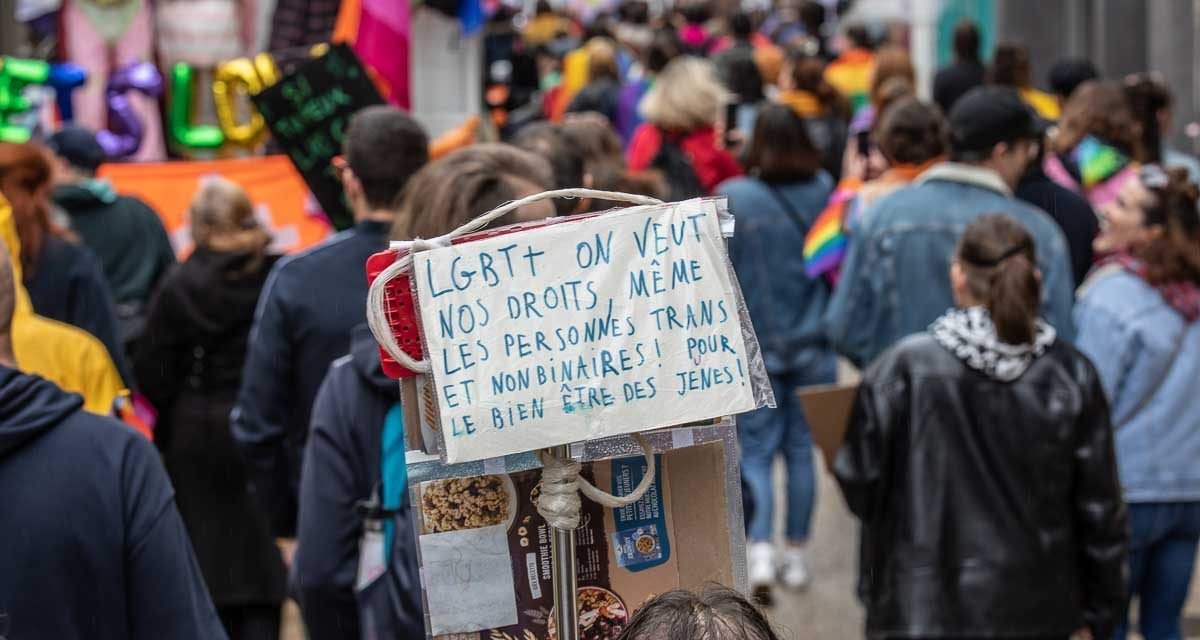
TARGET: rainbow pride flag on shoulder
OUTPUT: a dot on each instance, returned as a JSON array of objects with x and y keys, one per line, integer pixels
[{"x": 826, "y": 244}]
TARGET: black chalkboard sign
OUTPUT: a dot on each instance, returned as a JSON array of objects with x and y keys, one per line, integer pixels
[{"x": 307, "y": 113}]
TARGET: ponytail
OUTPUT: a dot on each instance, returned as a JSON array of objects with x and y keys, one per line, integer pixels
[
  {"x": 1014, "y": 297},
  {"x": 1000, "y": 262}
]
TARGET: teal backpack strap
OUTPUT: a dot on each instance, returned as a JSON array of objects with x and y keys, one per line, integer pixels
[{"x": 393, "y": 472}]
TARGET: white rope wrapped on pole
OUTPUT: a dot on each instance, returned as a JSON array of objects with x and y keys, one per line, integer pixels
[{"x": 559, "y": 502}]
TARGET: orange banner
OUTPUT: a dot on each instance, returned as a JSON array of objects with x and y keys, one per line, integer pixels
[{"x": 282, "y": 202}]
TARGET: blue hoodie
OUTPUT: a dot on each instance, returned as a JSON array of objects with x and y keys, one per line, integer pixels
[
  {"x": 92, "y": 545},
  {"x": 357, "y": 429}
]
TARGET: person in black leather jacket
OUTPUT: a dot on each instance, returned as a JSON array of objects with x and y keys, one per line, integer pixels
[{"x": 979, "y": 458}]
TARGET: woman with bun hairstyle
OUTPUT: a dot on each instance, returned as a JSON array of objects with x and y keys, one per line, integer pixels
[
  {"x": 1137, "y": 317},
  {"x": 979, "y": 458}
]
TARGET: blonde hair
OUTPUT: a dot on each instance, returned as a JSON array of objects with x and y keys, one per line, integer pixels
[
  {"x": 685, "y": 96},
  {"x": 222, "y": 218},
  {"x": 602, "y": 59}
]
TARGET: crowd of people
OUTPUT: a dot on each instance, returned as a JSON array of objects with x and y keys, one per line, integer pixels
[{"x": 1015, "y": 272}]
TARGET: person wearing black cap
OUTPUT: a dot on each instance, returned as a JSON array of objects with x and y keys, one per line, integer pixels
[
  {"x": 124, "y": 232},
  {"x": 893, "y": 283}
]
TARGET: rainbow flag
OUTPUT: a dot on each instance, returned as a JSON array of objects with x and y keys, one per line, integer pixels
[
  {"x": 1097, "y": 161},
  {"x": 826, "y": 244},
  {"x": 850, "y": 74}
]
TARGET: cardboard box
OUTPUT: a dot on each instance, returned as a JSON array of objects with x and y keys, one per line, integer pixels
[
  {"x": 677, "y": 536},
  {"x": 827, "y": 408}
]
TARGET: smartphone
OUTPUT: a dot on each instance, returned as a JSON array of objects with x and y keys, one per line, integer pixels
[
  {"x": 863, "y": 141},
  {"x": 731, "y": 113}
]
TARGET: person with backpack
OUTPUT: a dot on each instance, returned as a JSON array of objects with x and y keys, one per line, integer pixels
[
  {"x": 353, "y": 493},
  {"x": 979, "y": 458},
  {"x": 1139, "y": 321},
  {"x": 679, "y": 136},
  {"x": 775, "y": 207}
]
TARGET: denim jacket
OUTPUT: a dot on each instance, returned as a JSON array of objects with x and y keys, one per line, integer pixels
[
  {"x": 785, "y": 305},
  {"x": 1148, "y": 357},
  {"x": 896, "y": 278}
]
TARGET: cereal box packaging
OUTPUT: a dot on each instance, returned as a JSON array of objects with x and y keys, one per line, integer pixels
[{"x": 485, "y": 551}]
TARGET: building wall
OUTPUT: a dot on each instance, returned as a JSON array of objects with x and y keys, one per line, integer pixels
[{"x": 1120, "y": 36}]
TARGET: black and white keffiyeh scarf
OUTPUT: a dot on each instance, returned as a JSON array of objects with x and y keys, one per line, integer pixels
[{"x": 971, "y": 336}]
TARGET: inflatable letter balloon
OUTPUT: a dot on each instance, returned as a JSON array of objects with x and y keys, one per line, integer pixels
[
  {"x": 124, "y": 135},
  {"x": 179, "y": 114},
  {"x": 15, "y": 74},
  {"x": 65, "y": 78},
  {"x": 241, "y": 76}
]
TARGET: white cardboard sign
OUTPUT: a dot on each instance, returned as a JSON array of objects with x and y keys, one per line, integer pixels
[{"x": 622, "y": 323}]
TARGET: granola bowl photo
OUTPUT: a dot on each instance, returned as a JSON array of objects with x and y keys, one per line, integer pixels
[
  {"x": 602, "y": 615},
  {"x": 457, "y": 504}
]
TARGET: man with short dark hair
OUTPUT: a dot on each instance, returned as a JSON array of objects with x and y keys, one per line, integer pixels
[
  {"x": 124, "y": 232},
  {"x": 896, "y": 281},
  {"x": 310, "y": 303},
  {"x": 965, "y": 73},
  {"x": 1067, "y": 74},
  {"x": 93, "y": 544}
]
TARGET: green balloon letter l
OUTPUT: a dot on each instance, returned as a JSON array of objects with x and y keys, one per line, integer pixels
[{"x": 179, "y": 115}]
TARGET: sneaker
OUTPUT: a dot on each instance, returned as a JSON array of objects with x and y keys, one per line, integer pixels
[
  {"x": 760, "y": 564},
  {"x": 793, "y": 571}
]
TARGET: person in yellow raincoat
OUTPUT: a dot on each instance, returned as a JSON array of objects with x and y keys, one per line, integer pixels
[{"x": 67, "y": 356}]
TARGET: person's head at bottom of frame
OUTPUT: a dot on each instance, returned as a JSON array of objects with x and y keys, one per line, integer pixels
[{"x": 714, "y": 613}]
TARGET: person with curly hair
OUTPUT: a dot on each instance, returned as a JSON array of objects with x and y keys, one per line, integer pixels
[{"x": 1139, "y": 321}]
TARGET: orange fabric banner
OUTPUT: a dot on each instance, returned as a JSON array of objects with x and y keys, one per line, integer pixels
[{"x": 282, "y": 202}]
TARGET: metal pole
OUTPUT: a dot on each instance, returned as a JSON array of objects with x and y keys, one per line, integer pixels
[{"x": 562, "y": 558}]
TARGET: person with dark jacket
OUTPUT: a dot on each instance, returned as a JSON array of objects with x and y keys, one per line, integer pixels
[
  {"x": 93, "y": 544},
  {"x": 739, "y": 72},
  {"x": 357, "y": 410},
  {"x": 1070, "y": 210},
  {"x": 603, "y": 86},
  {"x": 965, "y": 73},
  {"x": 189, "y": 362},
  {"x": 124, "y": 232},
  {"x": 354, "y": 485},
  {"x": 826, "y": 112},
  {"x": 308, "y": 306},
  {"x": 979, "y": 458},
  {"x": 64, "y": 279}
]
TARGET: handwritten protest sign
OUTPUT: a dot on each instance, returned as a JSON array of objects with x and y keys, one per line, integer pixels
[
  {"x": 307, "y": 113},
  {"x": 622, "y": 323}
]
